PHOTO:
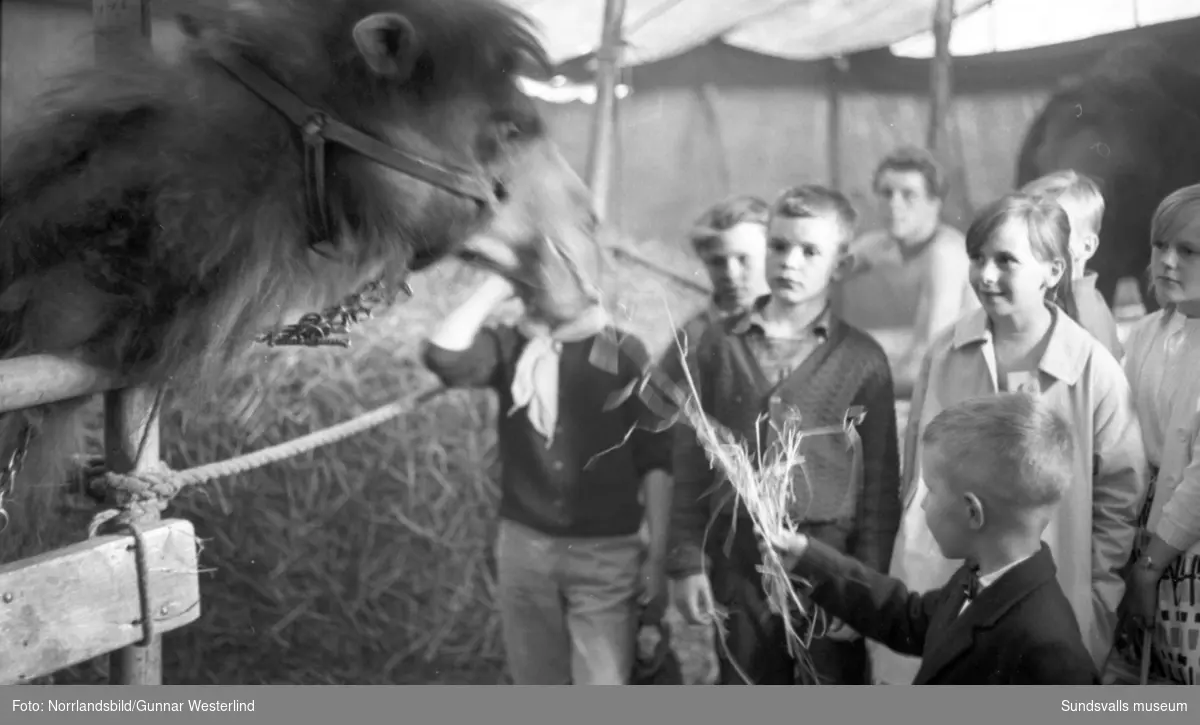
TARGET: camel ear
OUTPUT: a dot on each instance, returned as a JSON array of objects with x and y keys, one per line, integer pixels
[{"x": 388, "y": 43}]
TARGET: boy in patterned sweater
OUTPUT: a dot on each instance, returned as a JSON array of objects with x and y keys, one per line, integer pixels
[{"x": 787, "y": 362}]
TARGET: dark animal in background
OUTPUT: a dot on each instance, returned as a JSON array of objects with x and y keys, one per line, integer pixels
[
  {"x": 154, "y": 216},
  {"x": 1133, "y": 124}
]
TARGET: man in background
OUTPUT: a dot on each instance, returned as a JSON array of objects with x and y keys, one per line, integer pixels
[{"x": 911, "y": 187}]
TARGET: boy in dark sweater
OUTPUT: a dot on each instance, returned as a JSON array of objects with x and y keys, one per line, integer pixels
[
  {"x": 996, "y": 468},
  {"x": 788, "y": 362},
  {"x": 570, "y": 562}
]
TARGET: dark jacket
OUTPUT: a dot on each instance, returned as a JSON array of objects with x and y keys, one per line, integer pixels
[
  {"x": 588, "y": 482},
  {"x": 1019, "y": 631}
]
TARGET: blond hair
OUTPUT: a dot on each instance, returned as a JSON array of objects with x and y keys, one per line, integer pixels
[
  {"x": 1172, "y": 213},
  {"x": 1080, "y": 191},
  {"x": 1014, "y": 450},
  {"x": 812, "y": 200},
  {"x": 725, "y": 215}
]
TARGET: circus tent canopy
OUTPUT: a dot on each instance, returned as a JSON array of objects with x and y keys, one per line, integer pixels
[{"x": 792, "y": 29}]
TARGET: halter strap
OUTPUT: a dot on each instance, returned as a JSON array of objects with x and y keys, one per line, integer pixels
[{"x": 317, "y": 127}]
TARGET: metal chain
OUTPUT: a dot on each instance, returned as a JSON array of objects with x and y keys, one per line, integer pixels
[
  {"x": 329, "y": 327},
  {"x": 8, "y": 477}
]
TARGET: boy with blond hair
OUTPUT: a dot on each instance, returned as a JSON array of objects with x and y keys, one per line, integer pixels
[
  {"x": 1081, "y": 199},
  {"x": 730, "y": 240},
  {"x": 997, "y": 467}
]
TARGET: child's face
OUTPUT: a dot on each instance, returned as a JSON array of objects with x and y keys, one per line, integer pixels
[
  {"x": 1175, "y": 264},
  {"x": 1007, "y": 276},
  {"x": 734, "y": 261},
  {"x": 946, "y": 513},
  {"x": 909, "y": 210},
  {"x": 802, "y": 256}
]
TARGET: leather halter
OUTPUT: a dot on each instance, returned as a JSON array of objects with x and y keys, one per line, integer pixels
[{"x": 317, "y": 127}]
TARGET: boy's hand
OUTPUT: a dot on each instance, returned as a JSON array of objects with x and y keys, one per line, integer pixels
[
  {"x": 790, "y": 544},
  {"x": 766, "y": 548},
  {"x": 694, "y": 599},
  {"x": 839, "y": 631},
  {"x": 1139, "y": 607}
]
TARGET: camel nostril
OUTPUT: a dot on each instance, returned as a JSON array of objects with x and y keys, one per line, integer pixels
[{"x": 500, "y": 191}]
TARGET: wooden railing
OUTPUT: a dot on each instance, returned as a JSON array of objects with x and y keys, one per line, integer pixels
[{"x": 109, "y": 594}]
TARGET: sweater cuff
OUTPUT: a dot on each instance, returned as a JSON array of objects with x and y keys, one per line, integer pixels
[
  {"x": 819, "y": 559},
  {"x": 685, "y": 560},
  {"x": 1176, "y": 536}
]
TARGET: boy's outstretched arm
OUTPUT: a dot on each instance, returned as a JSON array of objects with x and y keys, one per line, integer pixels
[
  {"x": 875, "y": 605},
  {"x": 457, "y": 352}
]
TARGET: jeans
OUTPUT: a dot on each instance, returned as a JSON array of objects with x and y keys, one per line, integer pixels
[{"x": 568, "y": 606}]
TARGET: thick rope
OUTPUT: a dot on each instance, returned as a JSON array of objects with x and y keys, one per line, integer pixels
[
  {"x": 306, "y": 443},
  {"x": 148, "y": 491}
]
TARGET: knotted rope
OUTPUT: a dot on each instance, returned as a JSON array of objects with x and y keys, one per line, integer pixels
[{"x": 150, "y": 490}]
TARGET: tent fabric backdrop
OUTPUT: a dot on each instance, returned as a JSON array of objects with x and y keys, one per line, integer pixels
[{"x": 792, "y": 29}]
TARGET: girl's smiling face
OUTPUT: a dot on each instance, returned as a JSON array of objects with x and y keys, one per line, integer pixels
[{"x": 1008, "y": 278}]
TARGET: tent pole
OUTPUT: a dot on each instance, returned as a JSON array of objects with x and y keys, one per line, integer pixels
[
  {"x": 939, "y": 69},
  {"x": 833, "y": 120},
  {"x": 707, "y": 95},
  {"x": 608, "y": 66}
]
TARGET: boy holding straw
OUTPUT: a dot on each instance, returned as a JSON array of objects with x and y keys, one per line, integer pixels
[
  {"x": 786, "y": 365},
  {"x": 996, "y": 467},
  {"x": 570, "y": 561}
]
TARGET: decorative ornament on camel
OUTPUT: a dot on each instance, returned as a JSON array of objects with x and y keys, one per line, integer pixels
[{"x": 157, "y": 217}]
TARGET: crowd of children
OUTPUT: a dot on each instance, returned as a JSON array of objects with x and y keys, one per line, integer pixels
[{"x": 1038, "y": 524}]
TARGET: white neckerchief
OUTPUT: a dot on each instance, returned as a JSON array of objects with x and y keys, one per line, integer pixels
[{"x": 535, "y": 379}]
